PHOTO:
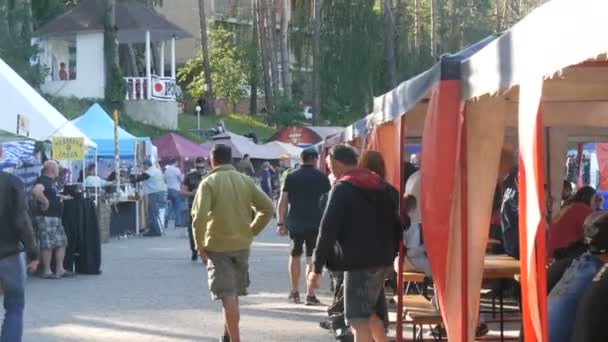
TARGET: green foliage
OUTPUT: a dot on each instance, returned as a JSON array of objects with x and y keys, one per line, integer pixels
[
  {"x": 44, "y": 11},
  {"x": 287, "y": 113},
  {"x": 228, "y": 72},
  {"x": 15, "y": 42},
  {"x": 349, "y": 35}
]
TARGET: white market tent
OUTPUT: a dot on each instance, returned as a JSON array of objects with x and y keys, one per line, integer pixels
[
  {"x": 20, "y": 99},
  {"x": 242, "y": 145}
]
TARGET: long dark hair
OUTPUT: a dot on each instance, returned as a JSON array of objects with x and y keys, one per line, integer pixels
[{"x": 583, "y": 195}]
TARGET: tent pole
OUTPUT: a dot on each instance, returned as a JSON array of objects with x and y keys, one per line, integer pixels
[{"x": 148, "y": 68}]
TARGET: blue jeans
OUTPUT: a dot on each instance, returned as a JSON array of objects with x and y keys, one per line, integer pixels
[
  {"x": 12, "y": 280},
  {"x": 177, "y": 208},
  {"x": 156, "y": 202},
  {"x": 364, "y": 294}
]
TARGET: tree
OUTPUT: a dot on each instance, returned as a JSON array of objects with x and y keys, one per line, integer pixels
[
  {"x": 316, "y": 56},
  {"x": 389, "y": 39},
  {"x": 228, "y": 73},
  {"x": 206, "y": 63},
  {"x": 259, "y": 10},
  {"x": 285, "y": 65},
  {"x": 271, "y": 31}
]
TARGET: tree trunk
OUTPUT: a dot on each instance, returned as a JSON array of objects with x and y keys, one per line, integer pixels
[
  {"x": 206, "y": 65},
  {"x": 253, "y": 77},
  {"x": 285, "y": 71},
  {"x": 433, "y": 31},
  {"x": 264, "y": 54},
  {"x": 416, "y": 28},
  {"x": 271, "y": 27},
  {"x": 316, "y": 75},
  {"x": 133, "y": 60},
  {"x": 389, "y": 39},
  {"x": 456, "y": 26},
  {"x": 398, "y": 30}
]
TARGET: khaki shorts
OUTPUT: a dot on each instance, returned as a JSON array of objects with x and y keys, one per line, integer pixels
[{"x": 228, "y": 273}]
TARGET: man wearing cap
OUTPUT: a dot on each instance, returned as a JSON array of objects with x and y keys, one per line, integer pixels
[
  {"x": 189, "y": 186},
  {"x": 224, "y": 232},
  {"x": 299, "y": 215},
  {"x": 156, "y": 190}
]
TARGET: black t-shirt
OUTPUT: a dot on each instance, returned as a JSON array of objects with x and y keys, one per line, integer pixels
[
  {"x": 191, "y": 182},
  {"x": 51, "y": 193},
  {"x": 305, "y": 187},
  {"x": 591, "y": 324}
]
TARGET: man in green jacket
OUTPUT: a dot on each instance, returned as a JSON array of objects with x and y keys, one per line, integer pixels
[{"x": 224, "y": 231}]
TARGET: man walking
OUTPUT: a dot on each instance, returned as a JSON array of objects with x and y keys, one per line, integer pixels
[
  {"x": 16, "y": 236},
  {"x": 174, "y": 178},
  {"x": 224, "y": 231},
  {"x": 51, "y": 233},
  {"x": 299, "y": 215},
  {"x": 362, "y": 222},
  {"x": 245, "y": 166},
  {"x": 189, "y": 186}
]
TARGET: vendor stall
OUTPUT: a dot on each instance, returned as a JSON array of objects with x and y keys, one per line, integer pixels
[{"x": 125, "y": 205}]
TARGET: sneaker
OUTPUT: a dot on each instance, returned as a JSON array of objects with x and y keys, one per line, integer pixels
[
  {"x": 225, "y": 339},
  {"x": 194, "y": 256},
  {"x": 294, "y": 297},
  {"x": 325, "y": 325},
  {"x": 312, "y": 300}
]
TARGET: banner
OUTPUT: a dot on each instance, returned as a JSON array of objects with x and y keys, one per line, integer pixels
[
  {"x": 163, "y": 88},
  {"x": 68, "y": 148}
]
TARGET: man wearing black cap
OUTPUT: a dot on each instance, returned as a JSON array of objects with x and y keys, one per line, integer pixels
[
  {"x": 155, "y": 189},
  {"x": 299, "y": 215}
]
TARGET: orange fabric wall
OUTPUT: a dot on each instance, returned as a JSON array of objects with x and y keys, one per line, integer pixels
[{"x": 386, "y": 140}]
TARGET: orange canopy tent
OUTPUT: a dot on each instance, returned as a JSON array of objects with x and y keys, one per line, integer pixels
[{"x": 539, "y": 85}]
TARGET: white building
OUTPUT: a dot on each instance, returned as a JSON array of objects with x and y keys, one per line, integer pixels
[{"x": 72, "y": 47}]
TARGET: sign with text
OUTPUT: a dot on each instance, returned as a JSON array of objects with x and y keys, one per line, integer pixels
[
  {"x": 68, "y": 148},
  {"x": 163, "y": 88}
]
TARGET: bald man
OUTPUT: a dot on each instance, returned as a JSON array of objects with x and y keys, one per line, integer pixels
[{"x": 51, "y": 234}]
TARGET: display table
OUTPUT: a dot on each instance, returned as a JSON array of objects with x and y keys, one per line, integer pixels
[
  {"x": 83, "y": 252},
  {"x": 124, "y": 218}
]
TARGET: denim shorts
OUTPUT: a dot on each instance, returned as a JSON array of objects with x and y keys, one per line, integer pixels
[
  {"x": 364, "y": 294},
  {"x": 228, "y": 273}
]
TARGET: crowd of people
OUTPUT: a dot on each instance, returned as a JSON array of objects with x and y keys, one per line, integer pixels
[{"x": 329, "y": 219}]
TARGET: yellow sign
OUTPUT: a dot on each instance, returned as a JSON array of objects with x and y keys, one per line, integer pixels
[{"x": 68, "y": 148}]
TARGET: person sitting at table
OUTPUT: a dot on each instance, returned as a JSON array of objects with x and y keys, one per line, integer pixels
[
  {"x": 565, "y": 296},
  {"x": 567, "y": 226}
]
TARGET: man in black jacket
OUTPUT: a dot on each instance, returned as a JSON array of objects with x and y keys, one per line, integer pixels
[
  {"x": 359, "y": 234},
  {"x": 16, "y": 235}
]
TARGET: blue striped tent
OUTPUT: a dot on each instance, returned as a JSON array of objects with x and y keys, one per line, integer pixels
[{"x": 18, "y": 154}]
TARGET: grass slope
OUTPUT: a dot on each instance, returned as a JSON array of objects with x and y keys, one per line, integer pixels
[{"x": 242, "y": 124}]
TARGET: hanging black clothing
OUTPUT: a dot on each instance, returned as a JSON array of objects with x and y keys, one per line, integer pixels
[{"x": 83, "y": 253}]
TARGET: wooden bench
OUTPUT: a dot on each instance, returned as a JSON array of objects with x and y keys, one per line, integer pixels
[
  {"x": 420, "y": 312},
  {"x": 410, "y": 277}
]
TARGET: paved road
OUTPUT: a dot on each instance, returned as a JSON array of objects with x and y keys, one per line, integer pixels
[{"x": 150, "y": 291}]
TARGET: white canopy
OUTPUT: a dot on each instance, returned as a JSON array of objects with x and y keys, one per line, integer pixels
[{"x": 19, "y": 98}]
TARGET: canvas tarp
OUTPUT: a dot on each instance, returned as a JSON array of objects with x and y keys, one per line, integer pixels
[
  {"x": 98, "y": 125},
  {"x": 242, "y": 145},
  {"x": 173, "y": 146},
  {"x": 19, "y": 98}
]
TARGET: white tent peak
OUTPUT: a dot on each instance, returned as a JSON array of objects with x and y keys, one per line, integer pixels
[{"x": 20, "y": 98}]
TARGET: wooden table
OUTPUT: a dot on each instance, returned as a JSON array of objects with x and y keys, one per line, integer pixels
[{"x": 500, "y": 267}]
